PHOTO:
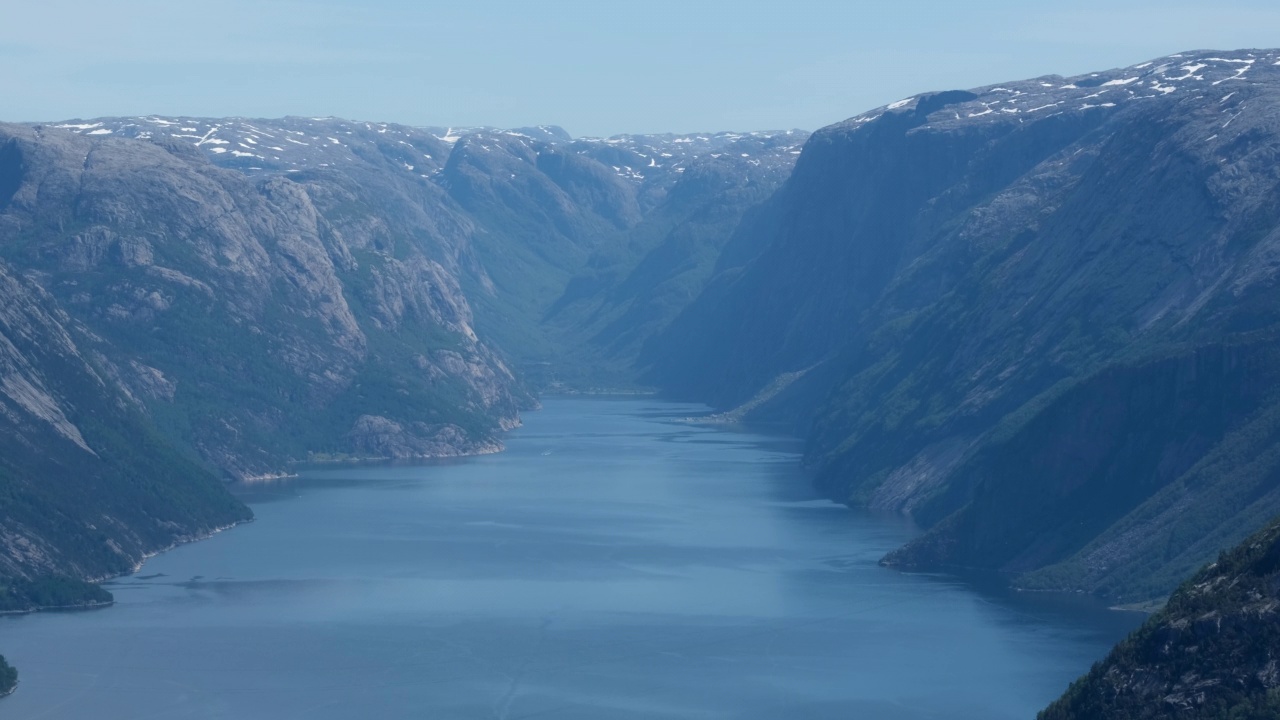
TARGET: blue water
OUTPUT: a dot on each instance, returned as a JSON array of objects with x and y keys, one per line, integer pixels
[{"x": 613, "y": 563}]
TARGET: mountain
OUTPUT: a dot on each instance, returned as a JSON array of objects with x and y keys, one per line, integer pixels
[
  {"x": 950, "y": 288},
  {"x": 88, "y": 487},
  {"x": 258, "y": 320},
  {"x": 1127, "y": 481},
  {"x": 170, "y": 323},
  {"x": 190, "y": 300},
  {"x": 1209, "y": 654},
  {"x": 541, "y": 230},
  {"x": 560, "y": 225}
]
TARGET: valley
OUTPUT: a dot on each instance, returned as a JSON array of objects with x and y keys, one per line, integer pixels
[{"x": 1036, "y": 319}]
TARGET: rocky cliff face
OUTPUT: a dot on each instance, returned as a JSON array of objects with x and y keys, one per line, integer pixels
[
  {"x": 942, "y": 265},
  {"x": 248, "y": 321},
  {"x": 1210, "y": 653},
  {"x": 1123, "y": 484},
  {"x": 87, "y": 485}
]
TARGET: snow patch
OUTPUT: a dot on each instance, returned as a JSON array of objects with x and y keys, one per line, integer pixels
[
  {"x": 1189, "y": 71},
  {"x": 449, "y": 136},
  {"x": 1125, "y": 81},
  {"x": 900, "y": 103},
  {"x": 1248, "y": 64}
]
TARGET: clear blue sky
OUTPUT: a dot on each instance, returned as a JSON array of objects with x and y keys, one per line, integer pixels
[{"x": 597, "y": 68}]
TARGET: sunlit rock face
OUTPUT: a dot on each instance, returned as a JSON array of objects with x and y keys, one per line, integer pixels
[{"x": 272, "y": 313}]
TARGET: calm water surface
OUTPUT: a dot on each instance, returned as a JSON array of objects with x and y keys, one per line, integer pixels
[{"x": 613, "y": 563}]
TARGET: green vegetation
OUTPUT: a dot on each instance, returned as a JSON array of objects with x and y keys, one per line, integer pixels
[
  {"x": 8, "y": 677},
  {"x": 50, "y": 591},
  {"x": 1208, "y": 655}
]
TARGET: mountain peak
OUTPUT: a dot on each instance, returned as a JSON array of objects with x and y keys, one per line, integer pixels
[{"x": 1209, "y": 72}]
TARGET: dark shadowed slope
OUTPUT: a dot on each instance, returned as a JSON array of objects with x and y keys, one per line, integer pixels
[{"x": 944, "y": 267}]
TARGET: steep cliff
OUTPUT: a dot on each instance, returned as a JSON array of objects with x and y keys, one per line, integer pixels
[
  {"x": 1124, "y": 483},
  {"x": 88, "y": 486},
  {"x": 939, "y": 267},
  {"x": 257, "y": 320}
]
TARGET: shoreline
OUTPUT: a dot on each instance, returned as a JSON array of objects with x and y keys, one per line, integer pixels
[
  {"x": 185, "y": 540},
  {"x": 60, "y": 608},
  {"x": 265, "y": 477},
  {"x": 496, "y": 447},
  {"x": 493, "y": 449}
]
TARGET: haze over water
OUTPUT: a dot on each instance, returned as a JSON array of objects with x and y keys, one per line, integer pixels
[{"x": 613, "y": 563}]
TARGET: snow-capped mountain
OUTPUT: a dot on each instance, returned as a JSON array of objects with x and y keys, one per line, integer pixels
[
  {"x": 299, "y": 143},
  {"x": 1209, "y": 73}
]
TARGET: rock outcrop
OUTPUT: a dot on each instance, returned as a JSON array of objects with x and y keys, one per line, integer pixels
[{"x": 1210, "y": 653}]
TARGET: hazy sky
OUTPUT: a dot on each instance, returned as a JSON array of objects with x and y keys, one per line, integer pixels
[{"x": 599, "y": 67}]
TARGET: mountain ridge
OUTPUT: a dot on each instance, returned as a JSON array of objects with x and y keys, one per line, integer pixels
[{"x": 954, "y": 261}]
